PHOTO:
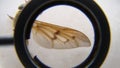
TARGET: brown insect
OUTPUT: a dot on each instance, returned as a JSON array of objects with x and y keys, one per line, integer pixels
[{"x": 54, "y": 36}]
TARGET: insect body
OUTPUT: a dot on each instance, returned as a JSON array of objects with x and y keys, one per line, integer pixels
[{"x": 54, "y": 36}]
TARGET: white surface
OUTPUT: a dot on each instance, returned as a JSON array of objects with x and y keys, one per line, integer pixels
[{"x": 8, "y": 56}]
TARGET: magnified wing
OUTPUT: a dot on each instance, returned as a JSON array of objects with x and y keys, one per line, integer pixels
[
  {"x": 54, "y": 36},
  {"x": 58, "y": 37}
]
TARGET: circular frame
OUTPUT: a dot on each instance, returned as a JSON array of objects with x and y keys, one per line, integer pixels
[{"x": 88, "y": 7}]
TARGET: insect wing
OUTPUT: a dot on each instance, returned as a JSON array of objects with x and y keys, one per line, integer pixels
[{"x": 58, "y": 37}]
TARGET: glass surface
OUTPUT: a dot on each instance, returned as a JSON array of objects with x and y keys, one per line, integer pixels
[{"x": 66, "y": 16}]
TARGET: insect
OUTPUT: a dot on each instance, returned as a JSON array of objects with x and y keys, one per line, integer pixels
[{"x": 54, "y": 36}]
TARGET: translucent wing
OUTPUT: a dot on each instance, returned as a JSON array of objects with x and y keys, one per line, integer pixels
[
  {"x": 54, "y": 36},
  {"x": 58, "y": 37}
]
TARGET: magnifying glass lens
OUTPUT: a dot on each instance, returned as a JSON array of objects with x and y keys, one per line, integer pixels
[{"x": 61, "y": 36}]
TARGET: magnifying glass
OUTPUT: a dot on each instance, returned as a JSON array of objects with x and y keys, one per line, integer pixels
[{"x": 26, "y": 20}]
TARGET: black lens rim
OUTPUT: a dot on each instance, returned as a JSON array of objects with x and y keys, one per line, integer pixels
[{"x": 89, "y": 7}]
